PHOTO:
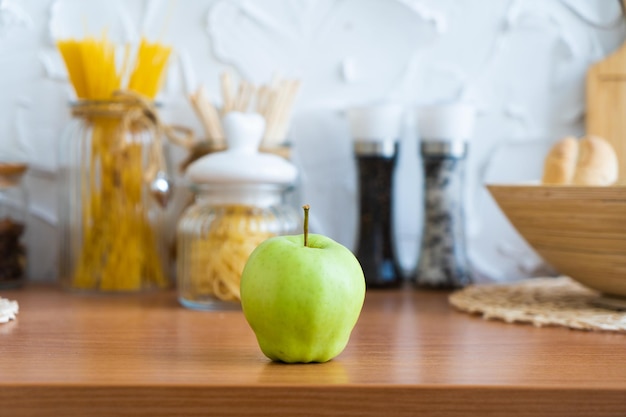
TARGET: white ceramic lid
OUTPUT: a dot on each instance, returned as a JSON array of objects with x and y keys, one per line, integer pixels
[
  {"x": 447, "y": 122},
  {"x": 376, "y": 123},
  {"x": 242, "y": 163}
]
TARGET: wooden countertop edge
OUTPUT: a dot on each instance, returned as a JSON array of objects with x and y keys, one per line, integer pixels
[{"x": 71, "y": 400}]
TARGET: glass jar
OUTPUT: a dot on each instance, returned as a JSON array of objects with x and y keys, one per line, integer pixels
[
  {"x": 375, "y": 246},
  {"x": 376, "y": 132},
  {"x": 443, "y": 261},
  {"x": 217, "y": 234},
  {"x": 111, "y": 219},
  {"x": 445, "y": 131},
  {"x": 13, "y": 220}
]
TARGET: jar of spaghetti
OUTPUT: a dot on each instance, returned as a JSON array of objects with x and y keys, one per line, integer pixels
[
  {"x": 13, "y": 218},
  {"x": 114, "y": 189},
  {"x": 240, "y": 201}
]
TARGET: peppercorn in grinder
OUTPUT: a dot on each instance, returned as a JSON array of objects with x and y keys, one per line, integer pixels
[{"x": 375, "y": 131}]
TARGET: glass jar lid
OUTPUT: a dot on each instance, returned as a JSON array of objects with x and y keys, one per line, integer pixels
[{"x": 242, "y": 162}]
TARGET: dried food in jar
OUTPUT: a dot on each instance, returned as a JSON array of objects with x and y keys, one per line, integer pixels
[
  {"x": 12, "y": 252},
  {"x": 212, "y": 262}
]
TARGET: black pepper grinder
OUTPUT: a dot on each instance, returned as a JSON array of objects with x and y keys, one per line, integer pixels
[
  {"x": 444, "y": 132},
  {"x": 375, "y": 131}
]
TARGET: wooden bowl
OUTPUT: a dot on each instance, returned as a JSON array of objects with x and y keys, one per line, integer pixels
[{"x": 579, "y": 230}]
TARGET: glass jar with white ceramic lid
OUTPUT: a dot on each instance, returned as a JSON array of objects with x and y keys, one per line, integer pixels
[{"x": 240, "y": 201}]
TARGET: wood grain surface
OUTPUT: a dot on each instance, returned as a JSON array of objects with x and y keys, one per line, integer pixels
[
  {"x": 579, "y": 230},
  {"x": 410, "y": 354},
  {"x": 606, "y": 104}
]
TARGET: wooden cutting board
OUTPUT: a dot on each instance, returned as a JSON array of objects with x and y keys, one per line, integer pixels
[{"x": 606, "y": 104}]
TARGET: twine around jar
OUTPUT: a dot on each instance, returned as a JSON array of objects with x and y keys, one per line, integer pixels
[{"x": 136, "y": 112}]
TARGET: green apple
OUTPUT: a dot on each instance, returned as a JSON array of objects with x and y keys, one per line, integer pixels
[{"x": 302, "y": 296}]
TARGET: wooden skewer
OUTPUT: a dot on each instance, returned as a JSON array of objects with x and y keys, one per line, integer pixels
[
  {"x": 212, "y": 116},
  {"x": 227, "y": 92},
  {"x": 285, "y": 114},
  {"x": 238, "y": 102},
  {"x": 274, "y": 101},
  {"x": 270, "y": 116},
  {"x": 278, "y": 111},
  {"x": 261, "y": 100},
  {"x": 209, "y": 116},
  {"x": 200, "y": 113},
  {"x": 251, "y": 91}
]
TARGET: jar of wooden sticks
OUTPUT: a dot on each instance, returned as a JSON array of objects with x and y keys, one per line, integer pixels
[
  {"x": 13, "y": 219},
  {"x": 274, "y": 101}
]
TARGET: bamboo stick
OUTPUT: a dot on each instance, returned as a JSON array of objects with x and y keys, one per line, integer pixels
[
  {"x": 274, "y": 101},
  {"x": 227, "y": 92}
]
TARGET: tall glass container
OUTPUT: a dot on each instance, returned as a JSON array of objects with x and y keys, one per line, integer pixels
[
  {"x": 113, "y": 189},
  {"x": 13, "y": 220},
  {"x": 443, "y": 260},
  {"x": 376, "y": 162},
  {"x": 375, "y": 131}
]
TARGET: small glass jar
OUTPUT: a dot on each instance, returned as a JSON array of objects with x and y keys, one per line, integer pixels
[
  {"x": 217, "y": 234},
  {"x": 13, "y": 219},
  {"x": 112, "y": 196}
]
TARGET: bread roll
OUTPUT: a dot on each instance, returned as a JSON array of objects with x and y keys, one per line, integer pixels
[
  {"x": 560, "y": 163},
  {"x": 597, "y": 162},
  {"x": 588, "y": 161}
]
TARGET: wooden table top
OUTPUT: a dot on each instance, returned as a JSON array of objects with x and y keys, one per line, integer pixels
[{"x": 410, "y": 354}]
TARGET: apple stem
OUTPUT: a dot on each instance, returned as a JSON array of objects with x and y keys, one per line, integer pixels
[{"x": 306, "y": 208}]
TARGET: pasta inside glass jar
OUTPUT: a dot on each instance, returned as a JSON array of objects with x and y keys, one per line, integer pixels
[{"x": 218, "y": 233}]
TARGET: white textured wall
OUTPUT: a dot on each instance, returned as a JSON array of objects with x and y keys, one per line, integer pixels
[{"x": 521, "y": 61}]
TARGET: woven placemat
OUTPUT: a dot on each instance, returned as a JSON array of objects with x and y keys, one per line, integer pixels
[{"x": 542, "y": 302}]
